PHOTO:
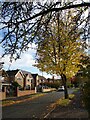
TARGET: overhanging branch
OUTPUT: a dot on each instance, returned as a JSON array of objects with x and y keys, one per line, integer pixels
[{"x": 56, "y": 10}]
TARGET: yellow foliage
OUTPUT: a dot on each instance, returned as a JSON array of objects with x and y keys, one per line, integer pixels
[{"x": 60, "y": 51}]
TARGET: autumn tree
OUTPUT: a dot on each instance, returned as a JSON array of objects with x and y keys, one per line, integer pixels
[
  {"x": 20, "y": 22},
  {"x": 59, "y": 51}
]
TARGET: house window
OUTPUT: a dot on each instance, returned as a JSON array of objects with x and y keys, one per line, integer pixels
[
  {"x": 31, "y": 80},
  {"x": 18, "y": 78},
  {"x": 28, "y": 80}
]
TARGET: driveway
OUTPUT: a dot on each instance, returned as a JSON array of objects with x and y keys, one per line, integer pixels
[{"x": 36, "y": 108}]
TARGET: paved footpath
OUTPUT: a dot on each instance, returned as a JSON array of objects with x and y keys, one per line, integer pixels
[{"x": 74, "y": 110}]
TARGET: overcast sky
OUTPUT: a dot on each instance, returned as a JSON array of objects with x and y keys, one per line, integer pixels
[{"x": 25, "y": 63}]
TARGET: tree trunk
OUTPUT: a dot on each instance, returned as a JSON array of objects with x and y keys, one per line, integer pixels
[{"x": 64, "y": 80}]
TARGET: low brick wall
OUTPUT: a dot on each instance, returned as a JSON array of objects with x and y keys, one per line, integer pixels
[
  {"x": 2, "y": 95},
  {"x": 48, "y": 90},
  {"x": 25, "y": 92}
]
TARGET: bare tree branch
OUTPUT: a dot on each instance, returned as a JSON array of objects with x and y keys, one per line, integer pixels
[{"x": 21, "y": 22}]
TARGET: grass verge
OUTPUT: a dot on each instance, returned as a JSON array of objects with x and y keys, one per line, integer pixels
[
  {"x": 65, "y": 102},
  {"x": 62, "y": 101}
]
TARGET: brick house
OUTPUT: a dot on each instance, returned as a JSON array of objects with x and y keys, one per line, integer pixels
[
  {"x": 39, "y": 79},
  {"x": 3, "y": 75},
  {"x": 3, "y": 79},
  {"x": 4, "y": 84},
  {"x": 11, "y": 75},
  {"x": 23, "y": 78}
]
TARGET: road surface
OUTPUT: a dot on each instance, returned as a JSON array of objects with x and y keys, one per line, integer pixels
[{"x": 36, "y": 108}]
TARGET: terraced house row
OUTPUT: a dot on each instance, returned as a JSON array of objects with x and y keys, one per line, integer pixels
[
  {"x": 18, "y": 83},
  {"x": 25, "y": 79}
]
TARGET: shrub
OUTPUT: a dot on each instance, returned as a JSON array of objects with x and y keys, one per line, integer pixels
[
  {"x": 86, "y": 96},
  {"x": 70, "y": 85},
  {"x": 15, "y": 85}
]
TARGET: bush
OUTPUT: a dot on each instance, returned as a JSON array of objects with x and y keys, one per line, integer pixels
[
  {"x": 15, "y": 85},
  {"x": 86, "y": 96},
  {"x": 70, "y": 85}
]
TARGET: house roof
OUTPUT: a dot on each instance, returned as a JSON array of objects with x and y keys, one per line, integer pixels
[
  {"x": 25, "y": 72},
  {"x": 34, "y": 75},
  {"x": 3, "y": 73},
  {"x": 41, "y": 77},
  {"x": 12, "y": 72}
]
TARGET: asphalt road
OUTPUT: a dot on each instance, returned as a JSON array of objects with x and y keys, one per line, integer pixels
[{"x": 36, "y": 108}]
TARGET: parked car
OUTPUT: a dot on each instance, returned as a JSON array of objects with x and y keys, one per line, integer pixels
[
  {"x": 61, "y": 88},
  {"x": 45, "y": 87}
]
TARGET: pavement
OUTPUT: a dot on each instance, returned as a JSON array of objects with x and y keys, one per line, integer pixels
[
  {"x": 75, "y": 110},
  {"x": 14, "y": 100},
  {"x": 18, "y": 98}
]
